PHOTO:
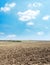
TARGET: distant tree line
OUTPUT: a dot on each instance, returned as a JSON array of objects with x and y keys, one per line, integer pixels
[{"x": 10, "y": 41}]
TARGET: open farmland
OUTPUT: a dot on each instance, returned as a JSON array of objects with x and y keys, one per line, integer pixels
[{"x": 24, "y": 52}]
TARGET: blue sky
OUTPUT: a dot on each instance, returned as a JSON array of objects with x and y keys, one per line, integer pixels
[{"x": 24, "y": 19}]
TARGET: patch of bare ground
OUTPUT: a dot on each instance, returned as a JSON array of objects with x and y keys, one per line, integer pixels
[{"x": 24, "y": 54}]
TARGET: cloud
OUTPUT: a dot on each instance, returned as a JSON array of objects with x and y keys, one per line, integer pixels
[
  {"x": 30, "y": 23},
  {"x": 7, "y": 7},
  {"x": 11, "y": 37},
  {"x": 47, "y": 17},
  {"x": 28, "y": 15},
  {"x": 40, "y": 33},
  {"x": 1, "y": 33},
  {"x": 11, "y": 5},
  {"x": 35, "y": 4}
]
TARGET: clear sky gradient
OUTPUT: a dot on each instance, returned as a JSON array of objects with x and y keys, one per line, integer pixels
[{"x": 24, "y": 19}]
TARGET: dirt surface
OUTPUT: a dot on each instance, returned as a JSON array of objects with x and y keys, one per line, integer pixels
[{"x": 25, "y": 53}]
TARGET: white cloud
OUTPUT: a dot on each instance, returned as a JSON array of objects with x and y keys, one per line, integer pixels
[
  {"x": 40, "y": 33},
  {"x": 28, "y": 15},
  {"x": 47, "y": 17},
  {"x": 7, "y": 7},
  {"x": 11, "y": 37},
  {"x": 10, "y": 5},
  {"x": 1, "y": 33},
  {"x": 35, "y": 4},
  {"x": 30, "y": 23}
]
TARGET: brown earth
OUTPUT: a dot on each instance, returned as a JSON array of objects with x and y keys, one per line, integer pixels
[{"x": 25, "y": 53}]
